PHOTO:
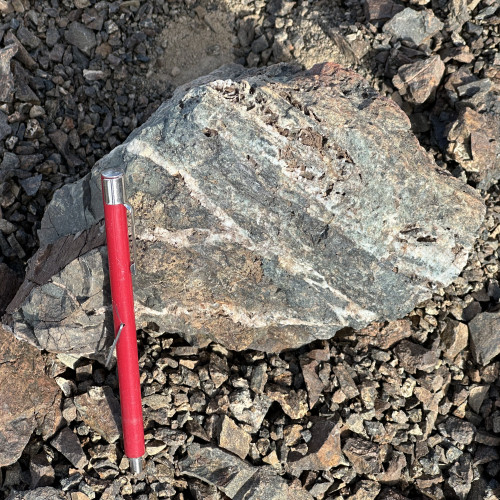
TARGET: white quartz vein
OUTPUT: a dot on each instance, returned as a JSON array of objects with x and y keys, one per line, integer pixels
[{"x": 239, "y": 235}]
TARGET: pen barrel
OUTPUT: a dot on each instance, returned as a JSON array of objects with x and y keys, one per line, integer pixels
[{"x": 115, "y": 217}]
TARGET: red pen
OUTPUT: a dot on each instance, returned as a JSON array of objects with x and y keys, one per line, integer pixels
[{"x": 121, "y": 269}]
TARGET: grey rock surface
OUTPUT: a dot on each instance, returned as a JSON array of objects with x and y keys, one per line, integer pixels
[
  {"x": 484, "y": 332},
  {"x": 414, "y": 26},
  {"x": 5, "y": 128},
  {"x": 69, "y": 445},
  {"x": 236, "y": 478},
  {"x": 46, "y": 493},
  {"x": 82, "y": 37},
  {"x": 72, "y": 298},
  {"x": 273, "y": 207}
]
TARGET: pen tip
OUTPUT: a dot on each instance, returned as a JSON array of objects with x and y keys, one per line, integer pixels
[{"x": 135, "y": 465}]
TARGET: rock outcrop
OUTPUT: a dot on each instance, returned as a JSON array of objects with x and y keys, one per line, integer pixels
[{"x": 273, "y": 207}]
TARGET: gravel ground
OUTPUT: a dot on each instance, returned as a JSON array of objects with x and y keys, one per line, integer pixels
[{"x": 411, "y": 406}]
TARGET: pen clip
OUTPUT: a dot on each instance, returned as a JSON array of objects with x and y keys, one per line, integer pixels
[
  {"x": 133, "y": 266},
  {"x": 117, "y": 338}
]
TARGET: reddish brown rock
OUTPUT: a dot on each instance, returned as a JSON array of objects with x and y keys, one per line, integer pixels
[
  {"x": 382, "y": 336},
  {"x": 313, "y": 382},
  {"x": 413, "y": 357},
  {"x": 323, "y": 451},
  {"x": 454, "y": 338},
  {"x": 292, "y": 403},
  {"x": 233, "y": 438},
  {"x": 474, "y": 142},
  {"x": 100, "y": 410},
  {"x": 418, "y": 81},
  {"x": 26, "y": 395},
  {"x": 363, "y": 455},
  {"x": 376, "y": 10}
]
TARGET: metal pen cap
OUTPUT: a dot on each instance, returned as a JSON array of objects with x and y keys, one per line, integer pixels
[{"x": 113, "y": 185}]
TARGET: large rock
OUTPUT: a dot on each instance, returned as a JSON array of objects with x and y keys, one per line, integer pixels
[
  {"x": 27, "y": 395},
  {"x": 236, "y": 478},
  {"x": 273, "y": 207}
]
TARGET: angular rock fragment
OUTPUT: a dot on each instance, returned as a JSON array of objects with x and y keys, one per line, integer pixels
[
  {"x": 323, "y": 450},
  {"x": 485, "y": 337},
  {"x": 384, "y": 336},
  {"x": 82, "y": 37},
  {"x": 459, "y": 14},
  {"x": 415, "y": 357},
  {"x": 366, "y": 490},
  {"x": 6, "y": 78},
  {"x": 454, "y": 338},
  {"x": 390, "y": 494},
  {"x": 363, "y": 455},
  {"x": 219, "y": 371},
  {"x": 28, "y": 38},
  {"x": 61, "y": 141},
  {"x": 381, "y": 9},
  {"x": 100, "y": 410},
  {"x": 243, "y": 262},
  {"x": 414, "y": 26},
  {"x": 461, "y": 476},
  {"x": 477, "y": 395},
  {"x": 203, "y": 491},
  {"x": 237, "y": 478},
  {"x": 41, "y": 472},
  {"x": 234, "y": 439},
  {"x": 419, "y": 80},
  {"x": 22, "y": 55},
  {"x": 293, "y": 403},
  {"x": 69, "y": 445},
  {"x": 249, "y": 410},
  {"x": 259, "y": 378},
  {"x": 26, "y": 395},
  {"x": 459, "y": 430},
  {"x": 474, "y": 142},
  {"x": 313, "y": 382},
  {"x": 23, "y": 90},
  {"x": 346, "y": 382},
  {"x": 5, "y": 128}
]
